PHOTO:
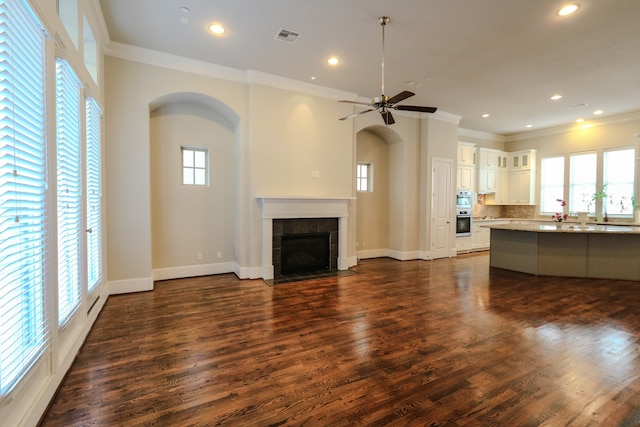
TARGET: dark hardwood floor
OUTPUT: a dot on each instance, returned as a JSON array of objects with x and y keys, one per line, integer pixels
[{"x": 427, "y": 343}]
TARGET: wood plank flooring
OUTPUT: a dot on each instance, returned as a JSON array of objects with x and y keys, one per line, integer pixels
[{"x": 427, "y": 343}]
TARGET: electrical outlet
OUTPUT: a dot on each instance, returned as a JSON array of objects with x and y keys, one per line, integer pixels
[
  {"x": 199, "y": 256},
  {"x": 357, "y": 244},
  {"x": 219, "y": 254}
]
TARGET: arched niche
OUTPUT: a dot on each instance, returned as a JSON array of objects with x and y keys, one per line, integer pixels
[
  {"x": 193, "y": 227},
  {"x": 378, "y": 210}
]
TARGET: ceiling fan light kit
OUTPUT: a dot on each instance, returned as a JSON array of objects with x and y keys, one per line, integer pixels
[{"x": 383, "y": 103}]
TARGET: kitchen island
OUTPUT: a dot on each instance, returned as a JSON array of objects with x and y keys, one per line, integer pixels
[{"x": 598, "y": 251}]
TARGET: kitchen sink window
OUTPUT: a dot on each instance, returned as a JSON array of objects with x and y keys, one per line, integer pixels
[
  {"x": 582, "y": 182},
  {"x": 551, "y": 183},
  {"x": 618, "y": 177}
]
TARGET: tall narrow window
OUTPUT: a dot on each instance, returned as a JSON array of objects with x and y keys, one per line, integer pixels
[
  {"x": 363, "y": 177},
  {"x": 68, "y": 190},
  {"x": 194, "y": 166},
  {"x": 24, "y": 332},
  {"x": 93, "y": 195},
  {"x": 582, "y": 185},
  {"x": 618, "y": 181},
  {"x": 551, "y": 183}
]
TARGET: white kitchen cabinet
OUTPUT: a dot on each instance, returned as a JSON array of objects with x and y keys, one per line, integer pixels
[
  {"x": 488, "y": 158},
  {"x": 466, "y": 178},
  {"x": 522, "y": 160},
  {"x": 487, "y": 180},
  {"x": 466, "y": 154},
  {"x": 522, "y": 187},
  {"x": 502, "y": 189},
  {"x": 463, "y": 244},
  {"x": 480, "y": 237}
]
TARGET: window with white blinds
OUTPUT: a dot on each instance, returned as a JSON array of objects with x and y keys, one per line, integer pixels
[
  {"x": 69, "y": 202},
  {"x": 24, "y": 332},
  {"x": 94, "y": 194}
]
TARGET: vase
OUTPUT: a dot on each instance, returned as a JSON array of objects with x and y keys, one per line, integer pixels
[{"x": 583, "y": 217}]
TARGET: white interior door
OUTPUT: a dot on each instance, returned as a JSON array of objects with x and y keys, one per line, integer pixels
[{"x": 441, "y": 208}]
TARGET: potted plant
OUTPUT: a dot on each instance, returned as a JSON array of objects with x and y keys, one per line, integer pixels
[{"x": 598, "y": 197}]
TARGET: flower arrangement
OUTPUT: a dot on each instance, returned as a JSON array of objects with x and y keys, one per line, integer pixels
[{"x": 559, "y": 216}]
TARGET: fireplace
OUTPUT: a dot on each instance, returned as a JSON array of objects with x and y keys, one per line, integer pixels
[
  {"x": 274, "y": 210},
  {"x": 304, "y": 245}
]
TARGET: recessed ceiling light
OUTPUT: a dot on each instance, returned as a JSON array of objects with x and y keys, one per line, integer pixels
[
  {"x": 598, "y": 112},
  {"x": 555, "y": 97},
  {"x": 333, "y": 61},
  {"x": 529, "y": 126},
  {"x": 216, "y": 29},
  {"x": 313, "y": 77},
  {"x": 485, "y": 115},
  {"x": 579, "y": 120},
  {"x": 568, "y": 9}
]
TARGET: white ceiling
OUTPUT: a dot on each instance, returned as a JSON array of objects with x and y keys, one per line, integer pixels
[{"x": 466, "y": 57}]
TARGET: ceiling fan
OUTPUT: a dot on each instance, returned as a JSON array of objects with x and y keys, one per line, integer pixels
[{"x": 383, "y": 103}]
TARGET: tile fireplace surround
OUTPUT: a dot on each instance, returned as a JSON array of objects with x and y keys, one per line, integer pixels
[{"x": 302, "y": 207}]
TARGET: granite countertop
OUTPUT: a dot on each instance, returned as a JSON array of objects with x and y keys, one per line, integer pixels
[{"x": 553, "y": 227}]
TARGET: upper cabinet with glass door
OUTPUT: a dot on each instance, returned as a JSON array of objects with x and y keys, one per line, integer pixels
[{"x": 522, "y": 160}]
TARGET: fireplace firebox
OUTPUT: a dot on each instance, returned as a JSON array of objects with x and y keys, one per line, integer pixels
[
  {"x": 303, "y": 253},
  {"x": 304, "y": 245}
]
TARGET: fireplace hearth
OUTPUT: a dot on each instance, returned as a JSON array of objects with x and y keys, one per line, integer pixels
[{"x": 304, "y": 245}]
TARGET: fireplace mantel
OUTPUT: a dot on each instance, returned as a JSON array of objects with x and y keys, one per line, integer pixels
[{"x": 280, "y": 207}]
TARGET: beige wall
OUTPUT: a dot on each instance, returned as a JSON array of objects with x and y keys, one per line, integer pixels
[
  {"x": 191, "y": 220},
  {"x": 132, "y": 89},
  {"x": 372, "y": 220},
  {"x": 280, "y": 139}
]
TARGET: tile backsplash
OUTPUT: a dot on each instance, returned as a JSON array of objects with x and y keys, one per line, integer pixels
[{"x": 504, "y": 211}]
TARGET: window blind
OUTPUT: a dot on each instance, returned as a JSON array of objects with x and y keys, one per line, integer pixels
[
  {"x": 24, "y": 332},
  {"x": 69, "y": 212},
  {"x": 94, "y": 194}
]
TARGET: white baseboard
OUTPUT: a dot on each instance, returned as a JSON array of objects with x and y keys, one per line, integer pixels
[
  {"x": 193, "y": 270},
  {"x": 130, "y": 285},
  {"x": 372, "y": 253},
  {"x": 403, "y": 255},
  {"x": 390, "y": 253}
]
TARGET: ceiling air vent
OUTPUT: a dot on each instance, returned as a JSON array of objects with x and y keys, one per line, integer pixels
[{"x": 287, "y": 36}]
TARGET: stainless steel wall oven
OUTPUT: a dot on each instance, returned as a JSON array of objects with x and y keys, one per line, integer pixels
[{"x": 463, "y": 222}]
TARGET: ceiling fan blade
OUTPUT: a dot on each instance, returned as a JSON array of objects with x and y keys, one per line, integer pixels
[
  {"x": 400, "y": 97},
  {"x": 356, "y": 102},
  {"x": 387, "y": 117},
  {"x": 350, "y": 116},
  {"x": 415, "y": 108}
]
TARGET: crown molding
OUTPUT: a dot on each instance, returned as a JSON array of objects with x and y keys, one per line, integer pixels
[
  {"x": 271, "y": 80},
  {"x": 207, "y": 69},
  {"x": 483, "y": 136},
  {"x": 604, "y": 121},
  {"x": 443, "y": 116},
  {"x": 173, "y": 62}
]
